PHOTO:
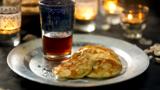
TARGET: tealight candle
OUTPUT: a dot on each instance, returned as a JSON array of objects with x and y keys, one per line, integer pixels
[
  {"x": 86, "y": 10},
  {"x": 133, "y": 21},
  {"x": 134, "y": 18},
  {"x": 85, "y": 15},
  {"x": 111, "y": 6},
  {"x": 111, "y": 9}
]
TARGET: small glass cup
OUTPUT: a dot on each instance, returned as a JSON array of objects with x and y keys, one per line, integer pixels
[
  {"x": 133, "y": 21},
  {"x": 57, "y": 19},
  {"x": 85, "y": 15},
  {"x": 10, "y": 22},
  {"x": 111, "y": 10}
]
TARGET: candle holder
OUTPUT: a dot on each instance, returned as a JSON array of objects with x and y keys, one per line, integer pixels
[
  {"x": 85, "y": 15},
  {"x": 10, "y": 22},
  {"x": 133, "y": 21},
  {"x": 111, "y": 10}
]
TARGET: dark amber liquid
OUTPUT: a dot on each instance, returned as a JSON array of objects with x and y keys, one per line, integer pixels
[{"x": 57, "y": 44}]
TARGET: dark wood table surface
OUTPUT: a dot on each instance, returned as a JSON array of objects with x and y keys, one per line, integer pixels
[{"x": 149, "y": 80}]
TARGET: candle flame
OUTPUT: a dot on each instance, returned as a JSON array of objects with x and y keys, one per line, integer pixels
[
  {"x": 110, "y": 6},
  {"x": 130, "y": 16},
  {"x": 85, "y": 12},
  {"x": 140, "y": 15},
  {"x": 135, "y": 18}
]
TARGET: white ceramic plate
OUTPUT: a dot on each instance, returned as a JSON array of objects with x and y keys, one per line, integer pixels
[{"x": 27, "y": 61}]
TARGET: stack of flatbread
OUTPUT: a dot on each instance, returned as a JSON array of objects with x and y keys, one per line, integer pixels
[{"x": 90, "y": 61}]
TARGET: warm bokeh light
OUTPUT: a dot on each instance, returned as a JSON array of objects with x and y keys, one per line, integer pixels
[
  {"x": 85, "y": 13},
  {"x": 110, "y": 6},
  {"x": 9, "y": 24},
  {"x": 86, "y": 10},
  {"x": 140, "y": 15},
  {"x": 134, "y": 18},
  {"x": 130, "y": 16}
]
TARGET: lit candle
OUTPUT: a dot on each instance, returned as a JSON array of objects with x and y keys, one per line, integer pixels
[
  {"x": 86, "y": 10},
  {"x": 135, "y": 18},
  {"x": 130, "y": 17},
  {"x": 111, "y": 6},
  {"x": 133, "y": 21},
  {"x": 9, "y": 25}
]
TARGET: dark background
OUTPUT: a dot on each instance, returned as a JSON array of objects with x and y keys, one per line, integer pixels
[{"x": 31, "y": 22}]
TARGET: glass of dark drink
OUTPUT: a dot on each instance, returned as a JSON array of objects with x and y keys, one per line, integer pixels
[{"x": 57, "y": 19}]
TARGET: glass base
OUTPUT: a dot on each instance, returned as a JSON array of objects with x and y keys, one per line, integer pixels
[
  {"x": 113, "y": 19},
  {"x": 10, "y": 40},
  {"x": 105, "y": 27},
  {"x": 133, "y": 35},
  {"x": 57, "y": 58},
  {"x": 85, "y": 27}
]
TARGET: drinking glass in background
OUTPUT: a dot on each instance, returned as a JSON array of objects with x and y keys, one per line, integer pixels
[
  {"x": 133, "y": 20},
  {"x": 85, "y": 15},
  {"x": 10, "y": 22},
  {"x": 111, "y": 10},
  {"x": 57, "y": 19}
]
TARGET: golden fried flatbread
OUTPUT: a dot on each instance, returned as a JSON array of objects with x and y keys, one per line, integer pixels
[
  {"x": 76, "y": 67},
  {"x": 106, "y": 62},
  {"x": 90, "y": 61}
]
